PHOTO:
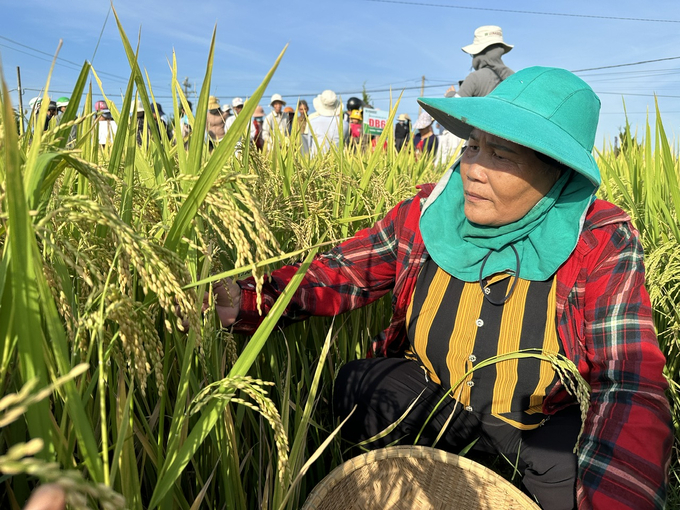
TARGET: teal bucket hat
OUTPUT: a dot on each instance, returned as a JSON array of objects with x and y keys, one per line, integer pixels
[{"x": 547, "y": 109}]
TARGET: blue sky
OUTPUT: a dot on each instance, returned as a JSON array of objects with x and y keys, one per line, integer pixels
[{"x": 346, "y": 45}]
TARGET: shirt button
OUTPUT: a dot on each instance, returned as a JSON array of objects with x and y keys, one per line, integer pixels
[
  {"x": 479, "y": 323},
  {"x": 470, "y": 383},
  {"x": 472, "y": 358},
  {"x": 487, "y": 291},
  {"x": 468, "y": 409}
]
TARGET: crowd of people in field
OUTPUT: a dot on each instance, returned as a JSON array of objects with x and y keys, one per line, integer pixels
[{"x": 314, "y": 131}]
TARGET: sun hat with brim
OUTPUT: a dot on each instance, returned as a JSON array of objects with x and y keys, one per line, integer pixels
[
  {"x": 327, "y": 104},
  {"x": 424, "y": 120},
  {"x": 484, "y": 37},
  {"x": 547, "y": 109},
  {"x": 213, "y": 103},
  {"x": 237, "y": 101},
  {"x": 277, "y": 97}
]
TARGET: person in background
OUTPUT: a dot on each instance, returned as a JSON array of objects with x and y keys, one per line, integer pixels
[
  {"x": 356, "y": 125},
  {"x": 34, "y": 104},
  {"x": 142, "y": 135},
  {"x": 215, "y": 122},
  {"x": 402, "y": 131},
  {"x": 290, "y": 112},
  {"x": 303, "y": 123},
  {"x": 303, "y": 112},
  {"x": 51, "y": 114},
  {"x": 427, "y": 140},
  {"x": 107, "y": 127},
  {"x": 486, "y": 49},
  {"x": 353, "y": 103},
  {"x": 448, "y": 144},
  {"x": 236, "y": 107},
  {"x": 325, "y": 123},
  {"x": 184, "y": 120},
  {"x": 226, "y": 111},
  {"x": 161, "y": 121},
  {"x": 276, "y": 123},
  {"x": 62, "y": 103},
  {"x": 257, "y": 126}
]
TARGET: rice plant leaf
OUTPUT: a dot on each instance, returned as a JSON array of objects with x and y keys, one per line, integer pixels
[
  {"x": 197, "y": 141},
  {"x": 72, "y": 109},
  {"x": 81, "y": 424},
  {"x": 177, "y": 460},
  {"x": 312, "y": 459},
  {"x": 122, "y": 119},
  {"x": 296, "y": 456},
  {"x": 220, "y": 156},
  {"x": 143, "y": 96},
  {"x": 124, "y": 452},
  {"x": 196, "y": 505},
  {"x": 24, "y": 296},
  {"x": 667, "y": 163},
  {"x": 241, "y": 270}
]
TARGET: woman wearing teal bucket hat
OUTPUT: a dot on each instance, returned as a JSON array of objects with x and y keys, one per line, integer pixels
[{"x": 510, "y": 252}]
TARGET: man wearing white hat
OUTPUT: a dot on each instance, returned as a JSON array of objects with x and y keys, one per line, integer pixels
[
  {"x": 486, "y": 49},
  {"x": 236, "y": 107},
  {"x": 276, "y": 121},
  {"x": 325, "y": 125}
]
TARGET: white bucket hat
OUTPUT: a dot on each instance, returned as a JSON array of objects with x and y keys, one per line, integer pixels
[
  {"x": 327, "y": 104},
  {"x": 277, "y": 97},
  {"x": 424, "y": 120},
  {"x": 237, "y": 101},
  {"x": 484, "y": 37}
]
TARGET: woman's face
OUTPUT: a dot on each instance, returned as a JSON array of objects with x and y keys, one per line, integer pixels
[{"x": 502, "y": 180}]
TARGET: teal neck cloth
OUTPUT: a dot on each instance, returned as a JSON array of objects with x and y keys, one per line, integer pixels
[{"x": 544, "y": 238}]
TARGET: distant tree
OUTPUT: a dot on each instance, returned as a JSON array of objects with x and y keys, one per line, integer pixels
[{"x": 365, "y": 96}]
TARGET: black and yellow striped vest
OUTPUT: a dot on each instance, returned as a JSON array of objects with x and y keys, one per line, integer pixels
[{"x": 453, "y": 328}]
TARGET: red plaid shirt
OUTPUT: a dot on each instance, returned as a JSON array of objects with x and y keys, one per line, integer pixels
[{"x": 604, "y": 322}]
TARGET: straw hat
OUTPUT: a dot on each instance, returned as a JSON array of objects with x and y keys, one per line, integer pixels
[
  {"x": 213, "y": 103},
  {"x": 277, "y": 97},
  {"x": 414, "y": 478},
  {"x": 404, "y": 116},
  {"x": 484, "y": 37},
  {"x": 327, "y": 104},
  {"x": 424, "y": 120},
  {"x": 259, "y": 111}
]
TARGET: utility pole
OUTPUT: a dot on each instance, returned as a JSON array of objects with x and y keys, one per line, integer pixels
[
  {"x": 21, "y": 102},
  {"x": 422, "y": 92},
  {"x": 186, "y": 85}
]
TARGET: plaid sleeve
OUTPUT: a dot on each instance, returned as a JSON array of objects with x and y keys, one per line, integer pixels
[
  {"x": 353, "y": 274},
  {"x": 625, "y": 448}
]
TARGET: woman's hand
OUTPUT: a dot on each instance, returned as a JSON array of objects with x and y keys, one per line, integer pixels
[{"x": 227, "y": 295}]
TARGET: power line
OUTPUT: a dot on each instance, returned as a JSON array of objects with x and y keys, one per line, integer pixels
[
  {"x": 59, "y": 59},
  {"x": 618, "y": 18},
  {"x": 622, "y": 65},
  {"x": 36, "y": 56}
]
